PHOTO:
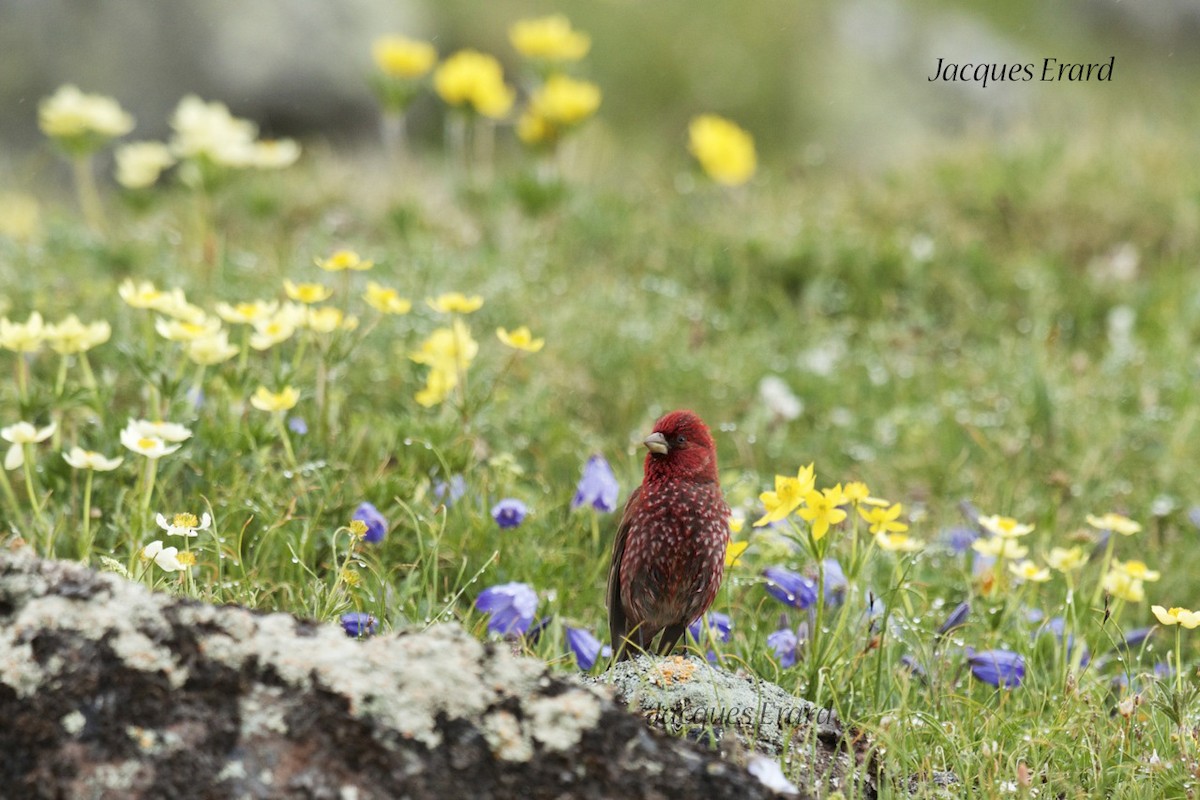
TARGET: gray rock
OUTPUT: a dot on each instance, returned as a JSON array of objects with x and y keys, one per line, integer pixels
[
  {"x": 110, "y": 691},
  {"x": 739, "y": 712}
]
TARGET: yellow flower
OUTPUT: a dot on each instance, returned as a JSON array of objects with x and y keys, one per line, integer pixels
[
  {"x": 897, "y": 542},
  {"x": 307, "y": 292},
  {"x": 247, "y": 312},
  {"x": 455, "y": 303},
  {"x": 401, "y": 57},
  {"x": 1137, "y": 569},
  {"x": 821, "y": 509},
  {"x": 172, "y": 303},
  {"x": 186, "y": 559},
  {"x": 1029, "y": 571},
  {"x": 565, "y": 101},
  {"x": 883, "y": 520},
  {"x": 343, "y": 260},
  {"x": 472, "y": 78},
  {"x": 328, "y": 319},
  {"x": 140, "y": 163},
  {"x": 1114, "y": 522},
  {"x": 520, "y": 339},
  {"x": 788, "y": 495},
  {"x": 1177, "y": 616},
  {"x": 725, "y": 151},
  {"x": 23, "y": 337},
  {"x": 212, "y": 349},
  {"x": 733, "y": 552},
  {"x": 266, "y": 400},
  {"x": 532, "y": 129},
  {"x": 386, "y": 300},
  {"x": 79, "y": 458},
  {"x": 274, "y": 153},
  {"x": 1064, "y": 559},
  {"x": 438, "y": 385},
  {"x": 549, "y": 38},
  {"x": 1005, "y": 527},
  {"x": 1000, "y": 547},
  {"x": 1120, "y": 585},
  {"x": 737, "y": 521},
  {"x": 72, "y": 336},
  {"x": 178, "y": 331},
  {"x": 82, "y": 121},
  {"x": 450, "y": 349}
]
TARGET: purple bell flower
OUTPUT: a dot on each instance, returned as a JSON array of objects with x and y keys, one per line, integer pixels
[
  {"x": 1002, "y": 668},
  {"x": 784, "y": 643},
  {"x": 957, "y": 618},
  {"x": 598, "y": 487},
  {"x": 509, "y": 512},
  {"x": 718, "y": 625},
  {"x": 586, "y": 647},
  {"x": 790, "y": 588},
  {"x": 449, "y": 493},
  {"x": 511, "y": 606},
  {"x": 359, "y": 624}
]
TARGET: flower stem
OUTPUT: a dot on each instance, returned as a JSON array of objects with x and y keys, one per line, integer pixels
[
  {"x": 85, "y": 542},
  {"x": 287, "y": 442},
  {"x": 33, "y": 499},
  {"x": 9, "y": 494},
  {"x": 1108, "y": 551},
  {"x": 89, "y": 197},
  {"x": 151, "y": 475}
]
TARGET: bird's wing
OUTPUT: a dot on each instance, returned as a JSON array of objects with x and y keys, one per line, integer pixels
[{"x": 618, "y": 625}]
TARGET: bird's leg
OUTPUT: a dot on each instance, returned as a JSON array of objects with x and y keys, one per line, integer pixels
[{"x": 670, "y": 637}]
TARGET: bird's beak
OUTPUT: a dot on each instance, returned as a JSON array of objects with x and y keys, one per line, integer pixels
[{"x": 656, "y": 443}]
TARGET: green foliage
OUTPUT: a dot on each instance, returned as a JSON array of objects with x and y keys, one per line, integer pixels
[{"x": 954, "y": 330}]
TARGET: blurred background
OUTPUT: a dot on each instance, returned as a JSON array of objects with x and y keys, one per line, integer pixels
[{"x": 840, "y": 80}]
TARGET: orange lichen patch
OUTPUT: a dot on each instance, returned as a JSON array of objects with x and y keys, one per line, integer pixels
[{"x": 671, "y": 671}]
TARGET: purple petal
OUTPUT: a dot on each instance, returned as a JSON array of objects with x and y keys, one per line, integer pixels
[
  {"x": 790, "y": 588},
  {"x": 784, "y": 643},
  {"x": 359, "y": 624},
  {"x": 585, "y": 646},
  {"x": 598, "y": 487},
  {"x": 1002, "y": 668},
  {"x": 509, "y": 513}
]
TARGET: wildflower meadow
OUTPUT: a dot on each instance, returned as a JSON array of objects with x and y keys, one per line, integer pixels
[{"x": 405, "y": 383}]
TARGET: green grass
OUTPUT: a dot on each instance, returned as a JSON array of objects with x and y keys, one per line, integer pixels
[{"x": 979, "y": 368}]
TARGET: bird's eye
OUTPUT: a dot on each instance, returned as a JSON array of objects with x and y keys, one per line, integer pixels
[{"x": 680, "y": 440}]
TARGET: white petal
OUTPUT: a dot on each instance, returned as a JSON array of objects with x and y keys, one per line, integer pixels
[
  {"x": 46, "y": 432},
  {"x": 15, "y": 457},
  {"x": 162, "y": 522},
  {"x": 205, "y": 521}
]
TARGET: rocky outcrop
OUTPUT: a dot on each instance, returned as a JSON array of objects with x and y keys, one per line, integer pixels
[
  {"x": 110, "y": 691},
  {"x": 741, "y": 713}
]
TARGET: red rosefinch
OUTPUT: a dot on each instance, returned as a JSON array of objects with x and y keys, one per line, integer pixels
[{"x": 669, "y": 554}]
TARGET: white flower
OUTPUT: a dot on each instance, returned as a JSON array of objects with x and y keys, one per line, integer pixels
[
  {"x": 69, "y": 113},
  {"x": 72, "y": 336},
  {"x": 167, "y": 431},
  {"x": 180, "y": 331},
  {"x": 140, "y": 163},
  {"x": 22, "y": 337},
  {"x": 79, "y": 458},
  {"x": 184, "y": 524},
  {"x": 208, "y": 130},
  {"x": 167, "y": 558},
  {"x": 209, "y": 350},
  {"x": 147, "y": 445},
  {"x": 22, "y": 433},
  {"x": 275, "y": 153}
]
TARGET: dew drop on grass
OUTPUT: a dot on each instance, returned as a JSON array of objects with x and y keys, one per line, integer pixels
[
  {"x": 295, "y": 560},
  {"x": 407, "y": 442}
]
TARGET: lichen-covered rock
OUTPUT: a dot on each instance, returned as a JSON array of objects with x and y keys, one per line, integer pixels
[
  {"x": 110, "y": 691},
  {"x": 740, "y": 712}
]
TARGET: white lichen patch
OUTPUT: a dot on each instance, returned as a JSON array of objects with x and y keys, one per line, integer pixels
[
  {"x": 73, "y": 722},
  {"x": 559, "y": 722},
  {"x": 502, "y": 731},
  {"x": 262, "y": 712},
  {"x": 137, "y": 651},
  {"x": 18, "y": 669}
]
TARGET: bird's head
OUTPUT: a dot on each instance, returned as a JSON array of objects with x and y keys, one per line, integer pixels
[{"x": 681, "y": 447}]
